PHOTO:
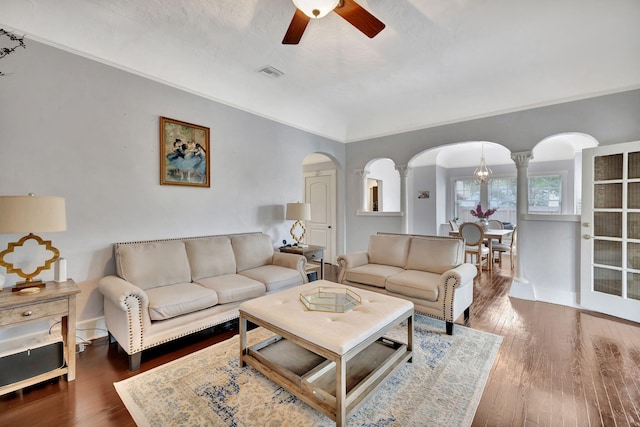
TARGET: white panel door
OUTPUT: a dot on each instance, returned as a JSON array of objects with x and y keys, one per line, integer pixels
[
  {"x": 610, "y": 229},
  {"x": 320, "y": 191}
]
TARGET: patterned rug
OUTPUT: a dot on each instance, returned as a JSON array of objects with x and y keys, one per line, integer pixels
[{"x": 442, "y": 387}]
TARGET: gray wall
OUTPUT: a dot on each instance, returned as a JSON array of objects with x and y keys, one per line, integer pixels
[
  {"x": 79, "y": 129},
  {"x": 609, "y": 119}
]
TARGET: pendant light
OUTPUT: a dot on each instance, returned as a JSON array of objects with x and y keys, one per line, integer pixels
[{"x": 483, "y": 173}]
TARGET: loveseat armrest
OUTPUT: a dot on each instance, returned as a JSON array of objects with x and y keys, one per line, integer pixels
[
  {"x": 297, "y": 262},
  {"x": 126, "y": 312},
  {"x": 351, "y": 260},
  {"x": 116, "y": 290},
  {"x": 294, "y": 261},
  {"x": 456, "y": 287},
  {"x": 459, "y": 276}
]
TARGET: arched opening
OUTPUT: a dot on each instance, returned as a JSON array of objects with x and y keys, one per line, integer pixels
[
  {"x": 555, "y": 174},
  {"x": 381, "y": 186},
  {"x": 446, "y": 173}
]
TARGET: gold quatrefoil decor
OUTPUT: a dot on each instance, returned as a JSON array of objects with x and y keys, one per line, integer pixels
[{"x": 29, "y": 276}]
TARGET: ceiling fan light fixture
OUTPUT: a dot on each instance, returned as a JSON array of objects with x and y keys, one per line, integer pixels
[{"x": 316, "y": 9}]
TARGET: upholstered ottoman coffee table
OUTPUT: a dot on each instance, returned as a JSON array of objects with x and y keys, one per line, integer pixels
[{"x": 330, "y": 360}]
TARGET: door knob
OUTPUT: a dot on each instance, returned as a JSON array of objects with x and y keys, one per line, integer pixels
[{"x": 586, "y": 236}]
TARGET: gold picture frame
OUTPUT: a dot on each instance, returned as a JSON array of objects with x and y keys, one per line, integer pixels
[{"x": 184, "y": 154}]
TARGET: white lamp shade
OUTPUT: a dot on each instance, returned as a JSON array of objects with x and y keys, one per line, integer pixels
[
  {"x": 32, "y": 214},
  {"x": 316, "y": 8},
  {"x": 298, "y": 211}
]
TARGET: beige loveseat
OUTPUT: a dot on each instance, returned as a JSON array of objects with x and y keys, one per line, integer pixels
[
  {"x": 167, "y": 289},
  {"x": 427, "y": 270}
]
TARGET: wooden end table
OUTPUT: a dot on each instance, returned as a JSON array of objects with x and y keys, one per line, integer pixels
[
  {"x": 55, "y": 299},
  {"x": 311, "y": 253}
]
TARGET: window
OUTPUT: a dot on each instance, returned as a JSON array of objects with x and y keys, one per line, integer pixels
[
  {"x": 503, "y": 196},
  {"x": 545, "y": 197},
  {"x": 545, "y": 194},
  {"x": 467, "y": 197}
]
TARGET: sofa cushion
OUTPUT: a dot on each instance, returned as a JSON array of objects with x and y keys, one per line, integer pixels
[
  {"x": 252, "y": 250},
  {"x": 388, "y": 249},
  {"x": 371, "y": 274},
  {"x": 415, "y": 284},
  {"x": 233, "y": 287},
  {"x": 274, "y": 277},
  {"x": 152, "y": 264},
  {"x": 210, "y": 256},
  {"x": 435, "y": 255},
  {"x": 170, "y": 301}
]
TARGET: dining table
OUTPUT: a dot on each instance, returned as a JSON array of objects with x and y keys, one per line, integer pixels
[{"x": 490, "y": 235}]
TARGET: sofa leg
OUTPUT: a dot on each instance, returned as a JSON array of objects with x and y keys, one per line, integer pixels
[
  {"x": 467, "y": 312},
  {"x": 449, "y": 328},
  {"x": 112, "y": 339},
  {"x": 134, "y": 361}
]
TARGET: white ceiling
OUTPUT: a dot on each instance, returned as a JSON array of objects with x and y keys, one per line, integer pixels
[{"x": 436, "y": 62}]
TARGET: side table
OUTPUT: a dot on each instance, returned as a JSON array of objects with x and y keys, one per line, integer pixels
[
  {"x": 56, "y": 299},
  {"x": 311, "y": 253}
]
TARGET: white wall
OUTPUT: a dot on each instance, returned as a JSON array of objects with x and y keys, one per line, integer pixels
[
  {"x": 554, "y": 247},
  {"x": 88, "y": 132}
]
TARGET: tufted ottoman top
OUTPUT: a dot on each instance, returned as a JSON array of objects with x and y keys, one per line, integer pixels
[{"x": 337, "y": 332}]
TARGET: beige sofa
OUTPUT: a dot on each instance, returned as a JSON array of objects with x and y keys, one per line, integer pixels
[
  {"x": 427, "y": 270},
  {"x": 167, "y": 289}
]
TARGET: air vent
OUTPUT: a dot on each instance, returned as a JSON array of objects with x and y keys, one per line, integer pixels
[{"x": 272, "y": 72}]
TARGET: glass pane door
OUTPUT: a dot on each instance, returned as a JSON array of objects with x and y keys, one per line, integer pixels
[{"x": 611, "y": 227}]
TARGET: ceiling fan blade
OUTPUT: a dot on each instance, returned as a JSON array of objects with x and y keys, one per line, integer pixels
[
  {"x": 296, "y": 28},
  {"x": 359, "y": 18}
]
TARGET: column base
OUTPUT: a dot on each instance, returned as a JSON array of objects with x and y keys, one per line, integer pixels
[{"x": 523, "y": 289}]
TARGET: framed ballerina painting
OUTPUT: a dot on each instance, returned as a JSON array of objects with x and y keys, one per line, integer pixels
[{"x": 184, "y": 154}]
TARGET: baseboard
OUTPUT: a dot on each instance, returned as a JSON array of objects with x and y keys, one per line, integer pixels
[
  {"x": 522, "y": 289},
  {"x": 91, "y": 329},
  {"x": 554, "y": 296}
]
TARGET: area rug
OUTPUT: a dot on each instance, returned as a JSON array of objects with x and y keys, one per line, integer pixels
[{"x": 442, "y": 387}]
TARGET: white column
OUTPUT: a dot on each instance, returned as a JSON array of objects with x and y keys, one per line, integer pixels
[
  {"x": 520, "y": 287},
  {"x": 404, "y": 170},
  {"x": 364, "y": 188}
]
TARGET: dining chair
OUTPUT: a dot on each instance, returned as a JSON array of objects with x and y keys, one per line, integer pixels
[
  {"x": 510, "y": 247},
  {"x": 473, "y": 235},
  {"x": 494, "y": 224},
  {"x": 453, "y": 225}
]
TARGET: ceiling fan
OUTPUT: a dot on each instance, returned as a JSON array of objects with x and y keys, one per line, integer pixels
[{"x": 348, "y": 9}]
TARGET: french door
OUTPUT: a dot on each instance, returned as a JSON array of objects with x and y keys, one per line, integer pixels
[{"x": 610, "y": 229}]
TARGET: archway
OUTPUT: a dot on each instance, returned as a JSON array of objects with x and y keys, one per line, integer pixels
[{"x": 446, "y": 174}]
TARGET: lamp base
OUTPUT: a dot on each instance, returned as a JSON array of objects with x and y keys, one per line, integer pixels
[
  {"x": 303, "y": 231},
  {"x": 34, "y": 284}
]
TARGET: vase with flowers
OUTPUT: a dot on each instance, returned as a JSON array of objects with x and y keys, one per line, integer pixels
[{"x": 483, "y": 216}]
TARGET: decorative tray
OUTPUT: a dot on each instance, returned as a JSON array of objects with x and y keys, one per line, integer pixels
[{"x": 336, "y": 300}]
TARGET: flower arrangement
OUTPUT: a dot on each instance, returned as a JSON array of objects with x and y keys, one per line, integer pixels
[{"x": 479, "y": 213}]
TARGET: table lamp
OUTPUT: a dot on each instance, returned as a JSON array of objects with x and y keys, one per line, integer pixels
[
  {"x": 298, "y": 212},
  {"x": 29, "y": 214}
]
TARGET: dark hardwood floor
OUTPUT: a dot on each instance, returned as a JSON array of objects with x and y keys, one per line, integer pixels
[{"x": 557, "y": 366}]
